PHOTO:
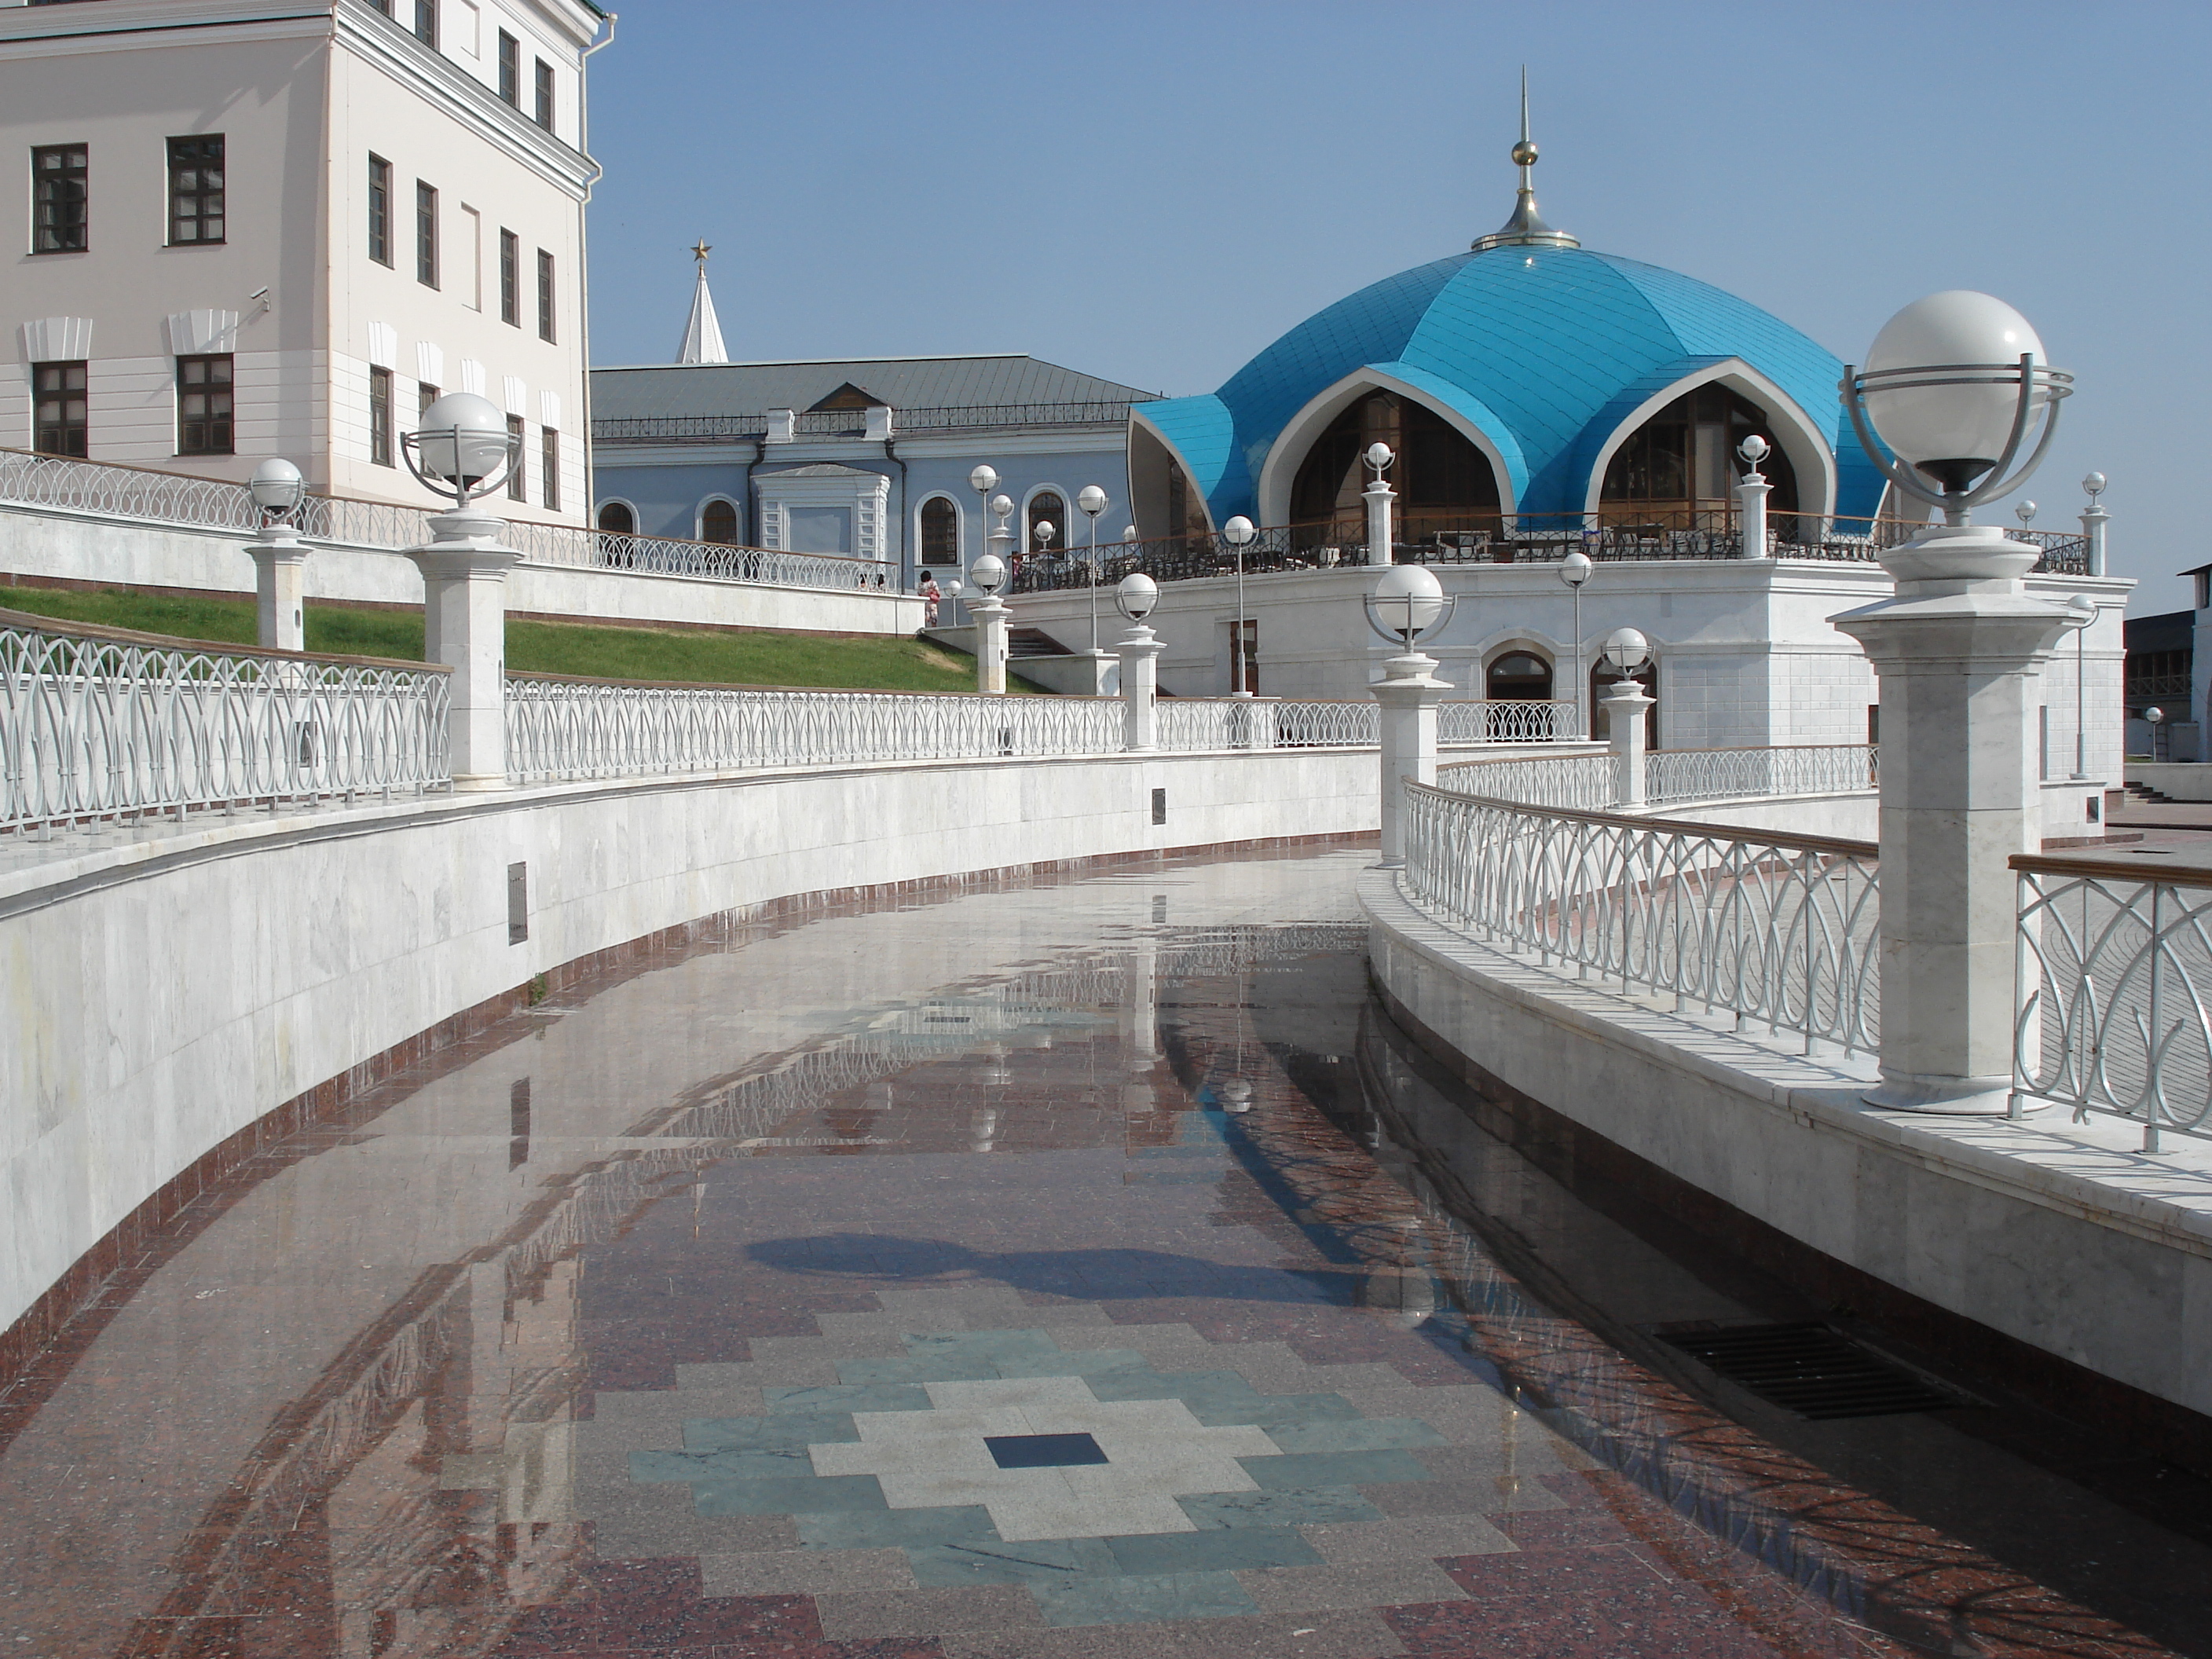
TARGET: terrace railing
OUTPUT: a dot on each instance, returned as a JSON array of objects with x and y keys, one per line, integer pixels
[
  {"x": 853, "y": 422},
  {"x": 97, "y": 724},
  {"x": 2114, "y": 967},
  {"x": 1688, "y": 774},
  {"x": 1776, "y": 930},
  {"x": 138, "y": 493},
  {"x": 1525, "y": 538},
  {"x": 1585, "y": 782}
]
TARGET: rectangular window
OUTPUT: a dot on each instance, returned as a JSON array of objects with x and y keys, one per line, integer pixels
[
  {"x": 549, "y": 464},
  {"x": 60, "y": 421},
  {"x": 2042, "y": 743},
  {"x": 60, "y": 175},
  {"x": 510, "y": 278},
  {"x": 380, "y": 417},
  {"x": 510, "y": 69},
  {"x": 545, "y": 295},
  {"x": 204, "y": 405},
  {"x": 196, "y": 188},
  {"x": 426, "y": 22},
  {"x": 471, "y": 257},
  {"x": 425, "y": 395},
  {"x": 517, "y": 487},
  {"x": 379, "y": 210},
  {"x": 426, "y": 234},
  {"x": 544, "y": 114}
]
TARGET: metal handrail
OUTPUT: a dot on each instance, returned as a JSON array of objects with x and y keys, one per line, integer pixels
[
  {"x": 2113, "y": 979},
  {"x": 716, "y": 428},
  {"x": 1778, "y": 930},
  {"x": 102, "y": 724}
]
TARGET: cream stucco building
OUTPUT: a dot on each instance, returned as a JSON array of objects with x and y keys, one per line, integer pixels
[{"x": 255, "y": 228}]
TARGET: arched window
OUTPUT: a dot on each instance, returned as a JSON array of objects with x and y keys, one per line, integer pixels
[
  {"x": 1518, "y": 677},
  {"x": 717, "y": 522},
  {"x": 617, "y": 519},
  {"x": 1046, "y": 507},
  {"x": 1443, "y": 483},
  {"x": 1682, "y": 463},
  {"x": 940, "y": 531}
]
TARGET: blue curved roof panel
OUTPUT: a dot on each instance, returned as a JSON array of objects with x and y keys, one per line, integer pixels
[{"x": 1545, "y": 349}]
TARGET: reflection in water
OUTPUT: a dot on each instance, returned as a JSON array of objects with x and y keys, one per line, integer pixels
[{"x": 366, "y": 1360}]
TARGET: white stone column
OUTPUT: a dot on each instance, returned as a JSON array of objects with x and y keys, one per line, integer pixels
[
  {"x": 1624, "y": 714},
  {"x": 1754, "y": 490},
  {"x": 280, "y": 560},
  {"x": 2093, "y": 527},
  {"x": 990, "y": 615},
  {"x": 1408, "y": 693},
  {"x": 1958, "y": 651},
  {"x": 464, "y": 624},
  {"x": 1140, "y": 686},
  {"x": 1378, "y": 495}
]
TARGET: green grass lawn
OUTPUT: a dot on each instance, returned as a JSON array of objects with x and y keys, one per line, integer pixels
[{"x": 888, "y": 663}]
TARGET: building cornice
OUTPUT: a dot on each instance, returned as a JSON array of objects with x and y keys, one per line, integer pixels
[
  {"x": 373, "y": 37},
  {"x": 153, "y": 27}
]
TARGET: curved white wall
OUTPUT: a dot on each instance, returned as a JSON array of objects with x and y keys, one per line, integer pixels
[{"x": 161, "y": 995}]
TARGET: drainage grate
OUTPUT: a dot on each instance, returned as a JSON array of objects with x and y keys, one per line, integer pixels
[{"x": 1810, "y": 1369}]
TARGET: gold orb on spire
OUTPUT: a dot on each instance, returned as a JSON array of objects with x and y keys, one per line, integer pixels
[{"x": 1524, "y": 154}]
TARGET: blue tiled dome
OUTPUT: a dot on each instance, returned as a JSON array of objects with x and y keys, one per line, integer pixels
[{"x": 1546, "y": 351}]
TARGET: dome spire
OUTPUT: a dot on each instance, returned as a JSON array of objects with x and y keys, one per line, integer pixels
[
  {"x": 702, "y": 332},
  {"x": 1526, "y": 228}
]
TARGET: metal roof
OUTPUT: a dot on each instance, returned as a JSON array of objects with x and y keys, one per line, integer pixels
[
  {"x": 712, "y": 389},
  {"x": 1545, "y": 349}
]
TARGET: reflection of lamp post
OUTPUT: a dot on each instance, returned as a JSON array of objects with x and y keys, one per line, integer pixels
[
  {"x": 1091, "y": 500},
  {"x": 1135, "y": 597},
  {"x": 279, "y": 556},
  {"x": 1953, "y": 384},
  {"x": 1407, "y": 605},
  {"x": 1239, "y": 532},
  {"x": 1574, "y": 571},
  {"x": 2083, "y": 611}
]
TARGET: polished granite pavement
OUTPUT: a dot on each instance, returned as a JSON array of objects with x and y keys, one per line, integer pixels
[{"x": 1031, "y": 1271}]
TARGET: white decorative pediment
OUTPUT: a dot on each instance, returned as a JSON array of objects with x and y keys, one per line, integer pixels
[
  {"x": 429, "y": 363},
  {"x": 472, "y": 376},
  {"x": 57, "y": 340},
  {"x": 383, "y": 346},
  {"x": 196, "y": 333},
  {"x": 549, "y": 409},
  {"x": 825, "y": 509},
  {"x": 516, "y": 391}
]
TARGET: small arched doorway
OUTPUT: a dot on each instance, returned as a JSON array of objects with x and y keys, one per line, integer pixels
[
  {"x": 940, "y": 531},
  {"x": 1519, "y": 676},
  {"x": 1443, "y": 483},
  {"x": 717, "y": 522}
]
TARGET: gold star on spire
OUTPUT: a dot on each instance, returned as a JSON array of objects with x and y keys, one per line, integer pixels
[{"x": 699, "y": 251}]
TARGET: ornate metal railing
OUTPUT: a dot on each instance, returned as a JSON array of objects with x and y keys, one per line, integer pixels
[
  {"x": 1523, "y": 538},
  {"x": 131, "y": 492},
  {"x": 851, "y": 422},
  {"x": 1778, "y": 930},
  {"x": 1687, "y": 775},
  {"x": 1507, "y": 720},
  {"x": 2113, "y": 969},
  {"x": 97, "y": 724},
  {"x": 1582, "y": 781}
]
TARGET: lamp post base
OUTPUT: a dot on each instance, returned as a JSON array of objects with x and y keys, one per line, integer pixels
[{"x": 1941, "y": 1097}]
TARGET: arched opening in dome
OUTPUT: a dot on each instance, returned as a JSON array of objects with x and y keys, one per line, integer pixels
[
  {"x": 1678, "y": 470},
  {"x": 1443, "y": 483}
]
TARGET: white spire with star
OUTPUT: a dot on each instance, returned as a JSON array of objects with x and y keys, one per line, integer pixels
[{"x": 703, "y": 334}]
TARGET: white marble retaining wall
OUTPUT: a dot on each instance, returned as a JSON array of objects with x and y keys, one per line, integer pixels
[
  {"x": 2059, "y": 1234},
  {"x": 159, "y": 995},
  {"x": 57, "y": 544}
]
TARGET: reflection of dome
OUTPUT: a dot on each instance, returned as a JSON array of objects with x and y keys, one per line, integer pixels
[{"x": 1546, "y": 360}]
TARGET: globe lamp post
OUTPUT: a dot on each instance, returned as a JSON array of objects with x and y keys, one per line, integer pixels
[
  {"x": 1238, "y": 532},
  {"x": 2092, "y": 522},
  {"x": 1575, "y": 570},
  {"x": 1136, "y": 596},
  {"x": 280, "y": 557},
  {"x": 1627, "y": 705},
  {"x": 1091, "y": 500},
  {"x": 1407, "y": 604},
  {"x": 986, "y": 576},
  {"x": 1378, "y": 495},
  {"x": 1954, "y": 387},
  {"x": 1753, "y": 490}
]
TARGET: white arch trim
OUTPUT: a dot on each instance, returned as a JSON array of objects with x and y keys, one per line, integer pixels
[
  {"x": 961, "y": 555},
  {"x": 636, "y": 519},
  {"x": 1021, "y": 524},
  {"x": 1794, "y": 430},
  {"x": 1288, "y": 451},
  {"x": 699, "y": 516}
]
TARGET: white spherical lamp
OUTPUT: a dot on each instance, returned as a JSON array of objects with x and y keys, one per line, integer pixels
[
  {"x": 1137, "y": 594},
  {"x": 1928, "y": 390},
  {"x": 988, "y": 573},
  {"x": 984, "y": 480},
  {"x": 1409, "y": 599},
  {"x": 1626, "y": 650},
  {"x": 1239, "y": 531},
  {"x": 1092, "y": 501},
  {"x": 276, "y": 486},
  {"x": 1574, "y": 569},
  {"x": 462, "y": 439},
  {"x": 1379, "y": 456}
]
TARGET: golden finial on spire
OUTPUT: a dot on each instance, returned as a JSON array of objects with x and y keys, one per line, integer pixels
[
  {"x": 700, "y": 250},
  {"x": 1526, "y": 228}
]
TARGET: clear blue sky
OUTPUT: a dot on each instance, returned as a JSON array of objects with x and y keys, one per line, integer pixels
[{"x": 1152, "y": 193}]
